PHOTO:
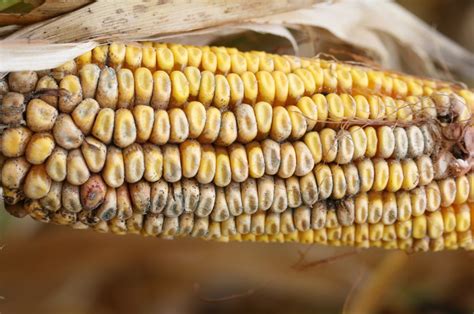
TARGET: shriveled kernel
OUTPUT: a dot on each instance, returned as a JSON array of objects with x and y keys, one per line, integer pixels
[
  {"x": 433, "y": 197},
  {"x": 339, "y": 182},
  {"x": 304, "y": 159},
  {"x": 52, "y": 201},
  {"x": 56, "y": 164},
  {"x": 246, "y": 123},
  {"x": 266, "y": 86},
  {"x": 14, "y": 172},
  {"x": 39, "y": 148},
  {"x": 238, "y": 63},
  {"x": 401, "y": 143},
  {"x": 375, "y": 232},
  {"x": 207, "y": 166},
  {"x": 416, "y": 141},
  {"x": 66, "y": 133},
  {"x": 125, "y": 130},
  {"x": 359, "y": 140},
  {"x": 193, "y": 76},
  {"x": 271, "y": 154},
  {"x": 335, "y": 107},
  {"x": 212, "y": 126},
  {"x": 324, "y": 178},
  {"x": 40, "y": 116},
  {"x": 223, "y": 173},
  {"x": 149, "y": 58},
  {"x": 390, "y": 211},
  {"x": 288, "y": 160},
  {"x": 71, "y": 198},
  {"x": 220, "y": 212},
  {"x": 239, "y": 162},
  {"x": 346, "y": 212},
  {"x": 94, "y": 153},
  {"x": 463, "y": 217},
  {"x": 302, "y": 218},
  {"x": 37, "y": 182},
  {"x": 418, "y": 201},
  {"x": 99, "y": 54},
  {"x": 22, "y": 81},
  {"x": 222, "y": 92},
  {"x": 313, "y": 142},
  {"x": 140, "y": 195},
  {"x": 360, "y": 78},
  {"x": 266, "y": 62},
  {"x": 298, "y": 122},
  {"x": 250, "y": 87},
  {"x": 447, "y": 188},
  {"x": 351, "y": 175},
  {"x": 85, "y": 114},
  {"x": 366, "y": 174},
  {"x": 331, "y": 217},
  {"x": 14, "y": 141},
  {"x": 345, "y": 147},
  {"x": 89, "y": 76},
  {"x": 190, "y": 195},
  {"x": 180, "y": 55},
  {"x": 263, "y": 115},
  {"x": 410, "y": 174},
  {"x": 249, "y": 196},
  {"x": 329, "y": 144},
  {"x": 144, "y": 119},
  {"x": 206, "y": 201},
  {"x": 196, "y": 116},
  {"x": 153, "y": 163},
  {"x": 190, "y": 157},
  {"x": 361, "y": 204},
  {"x": 386, "y": 142},
  {"x": 462, "y": 190},
  {"x": 381, "y": 174},
  {"x": 376, "y": 105},
  {"x": 116, "y": 55},
  {"x": 281, "y": 88},
  {"x": 228, "y": 130},
  {"x": 165, "y": 59},
  {"x": 134, "y": 162},
  {"x": 143, "y": 86},
  {"x": 179, "y": 89},
  {"x": 194, "y": 56},
  {"x": 93, "y": 192},
  {"x": 77, "y": 170},
  {"x": 107, "y": 93},
  {"x": 349, "y": 106},
  {"x": 435, "y": 225},
  {"x": 395, "y": 180},
  {"x": 103, "y": 128},
  {"x": 161, "y": 90},
  {"x": 309, "y": 111},
  {"x": 160, "y": 133},
  {"x": 178, "y": 125},
  {"x": 114, "y": 169},
  {"x": 207, "y": 88},
  {"x": 330, "y": 81},
  {"x": 171, "y": 163},
  {"x": 236, "y": 86},
  {"x": 209, "y": 61},
  {"x": 48, "y": 83},
  {"x": 404, "y": 205}
]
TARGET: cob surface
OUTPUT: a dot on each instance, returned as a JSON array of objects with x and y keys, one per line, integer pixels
[{"x": 170, "y": 140}]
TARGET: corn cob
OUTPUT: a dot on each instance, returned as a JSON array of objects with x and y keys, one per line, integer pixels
[{"x": 170, "y": 140}]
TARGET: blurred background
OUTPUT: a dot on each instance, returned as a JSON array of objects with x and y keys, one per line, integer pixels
[{"x": 52, "y": 269}]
